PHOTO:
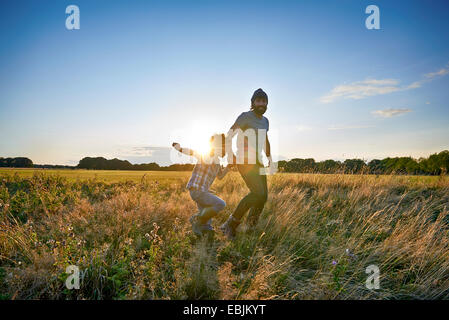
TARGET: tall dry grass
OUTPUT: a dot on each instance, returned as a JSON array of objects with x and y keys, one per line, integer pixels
[{"x": 316, "y": 236}]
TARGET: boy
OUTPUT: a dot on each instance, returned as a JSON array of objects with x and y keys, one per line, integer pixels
[{"x": 203, "y": 175}]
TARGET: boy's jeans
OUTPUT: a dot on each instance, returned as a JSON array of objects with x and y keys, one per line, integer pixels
[{"x": 205, "y": 199}]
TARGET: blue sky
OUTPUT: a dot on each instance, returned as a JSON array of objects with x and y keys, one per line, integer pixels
[{"x": 139, "y": 74}]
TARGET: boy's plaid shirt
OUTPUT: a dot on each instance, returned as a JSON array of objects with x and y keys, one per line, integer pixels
[
  {"x": 203, "y": 175},
  {"x": 204, "y": 172}
]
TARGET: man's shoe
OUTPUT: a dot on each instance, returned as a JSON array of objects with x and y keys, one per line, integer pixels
[
  {"x": 252, "y": 219},
  {"x": 229, "y": 227}
]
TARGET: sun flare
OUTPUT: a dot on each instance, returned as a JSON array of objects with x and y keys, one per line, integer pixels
[
  {"x": 196, "y": 137},
  {"x": 200, "y": 144}
]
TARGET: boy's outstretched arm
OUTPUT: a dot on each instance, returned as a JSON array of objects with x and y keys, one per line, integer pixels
[{"x": 186, "y": 151}]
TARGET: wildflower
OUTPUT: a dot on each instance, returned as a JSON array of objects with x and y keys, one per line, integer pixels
[
  {"x": 350, "y": 254},
  {"x": 334, "y": 262},
  {"x": 153, "y": 236}
]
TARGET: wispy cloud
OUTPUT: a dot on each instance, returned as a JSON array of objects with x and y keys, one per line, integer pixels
[
  {"x": 144, "y": 151},
  {"x": 145, "y": 154},
  {"x": 439, "y": 73},
  {"x": 361, "y": 89},
  {"x": 346, "y": 127},
  {"x": 414, "y": 85},
  {"x": 388, "y": 113},
  {"x": 429, "y": 77},
  {"x": 302, "y": 128},
  {"x": 374, "y": 87}
]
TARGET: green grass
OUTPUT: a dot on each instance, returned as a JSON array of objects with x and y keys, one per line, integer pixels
[
  {"x": 100, "y": 175},
  {"x": 128, "y": 232},
  {"x": 136, "y": 176}
]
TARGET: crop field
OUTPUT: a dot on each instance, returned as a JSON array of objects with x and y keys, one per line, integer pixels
[{"x": 129, "y": 234}]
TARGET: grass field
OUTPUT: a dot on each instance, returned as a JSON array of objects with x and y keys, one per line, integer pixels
[
  {"x": 99, "y": 175},
  {"x": 128, "y": 232}
]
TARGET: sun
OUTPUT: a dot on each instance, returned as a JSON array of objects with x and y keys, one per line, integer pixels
[
  {"x": 197, "y": 136},
  {"x": 199, "y": 143}
]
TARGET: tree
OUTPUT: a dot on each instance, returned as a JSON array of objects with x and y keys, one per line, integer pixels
[
  {"x": 19, "y": 162},
  {"x": 354, "y": 165}
]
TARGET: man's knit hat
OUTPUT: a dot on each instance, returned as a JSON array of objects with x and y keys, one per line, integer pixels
[{"x": 259, "y": 93}]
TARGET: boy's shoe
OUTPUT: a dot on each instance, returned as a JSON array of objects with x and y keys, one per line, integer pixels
[
  {"x": 209, "y": 226},
  {"x": 200, "y": 228},
  {"x": 208, "y": 230},
  {"x": 196, "y": 226},
  {"x": 229, "y": 227}
]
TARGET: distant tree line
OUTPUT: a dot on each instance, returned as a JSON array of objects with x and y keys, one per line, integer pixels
[
  {"x": 22, "y": 162},
  {"x": 436, "y": 164},
  {"x": 100, "y": 163},
  {"x": 53, "y": 166},
  {"x": 19, "y": 162}
]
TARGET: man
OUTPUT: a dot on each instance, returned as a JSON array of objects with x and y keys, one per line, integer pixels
[{"x": 251, "y": 169}]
